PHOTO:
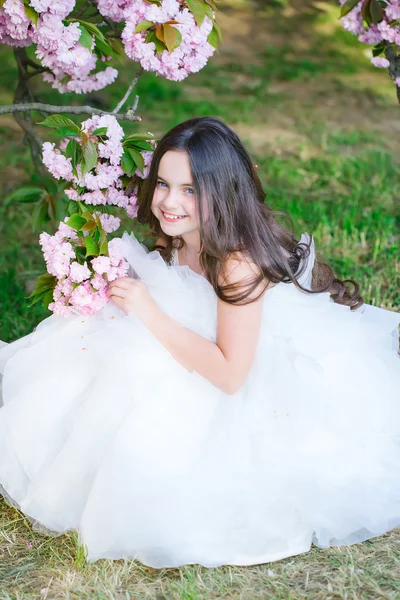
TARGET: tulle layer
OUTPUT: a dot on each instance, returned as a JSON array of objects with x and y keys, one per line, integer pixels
[{"x": 104, "y": 432}]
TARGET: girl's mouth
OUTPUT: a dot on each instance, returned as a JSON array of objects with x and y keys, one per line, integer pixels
[{"x": 170, "y": 218}]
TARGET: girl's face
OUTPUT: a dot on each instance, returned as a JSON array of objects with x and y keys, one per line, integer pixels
[{"x": 174, "y": 202}]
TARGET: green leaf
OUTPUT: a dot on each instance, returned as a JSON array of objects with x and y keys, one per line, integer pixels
[
  {"x": 64, "y": 131},
  {"x": 139, "y": 145},
  {"x": 43, "y": 283},
  {"x": 76, "y": 222},
  {"x": 137, "y": 159},
  {"x": 140, "y": 136},
  {"x": 52, "y": 186},
  {"x": 348, "y": 7},
  {"x": 92, "y": 247},
  {"x": 25, "y": 194},
  {"x": 85, "y": 213},
  {"x": 103, "y": 243},
  {"x": 160, "y": 46},
  {"x": 89, "y": 226},
  {"x": 117, "y": 45},
  {"x": 86, "y": 39},
  {"x": 172, "y": 37},
  {"x": 74, "y": 152},
  {"x": 143, "y": 25},
  {"x": 39, "y": 216},
  {"x": 100, "y": 131},
  {"x": 215, "y": 35},
  {"x": 198, "y": 9},
  {"x": 91, "y": 28},
  {"x": 105, "y": 48},
  {"x": 60, "y": 121},
  {"x": 365, "y": 12},
  {"x": 47, "y": 298},
  {"x": 378, "y": 49},
  {"x": 90, "y": 157},
  {"x": 376, "y": 12},
  {"x": 31, "y": 14},
  {"x": 127, "y": 163},
  {"x": 212, "y": 4},
  {"x": 72, "y": 208}
]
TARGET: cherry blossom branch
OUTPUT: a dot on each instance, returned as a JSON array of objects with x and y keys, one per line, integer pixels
[
  {"x": 73, "y": 110},
  {"x": 128, "y": 93}
]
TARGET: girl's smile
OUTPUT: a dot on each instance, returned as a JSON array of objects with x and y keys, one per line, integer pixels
[
  {"x": 172, "y": 218},
  {"x": 174, "y": 200}
]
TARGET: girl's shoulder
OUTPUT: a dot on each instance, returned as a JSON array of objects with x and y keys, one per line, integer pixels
[{"x": 240, "y": 269}]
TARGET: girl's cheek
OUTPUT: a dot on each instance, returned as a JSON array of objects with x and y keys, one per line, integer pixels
[{"x": 156, "y": 199}]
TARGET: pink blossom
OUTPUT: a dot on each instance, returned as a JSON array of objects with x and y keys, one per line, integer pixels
[
  {"x": 109, "y": 223},
  {"x": 58, "y": 165},
  {"x": 106, "y": 176},
  {"x": 71, "y": 193},
  {"x": 100, "y": 299},
  {"x": 193, "y": 51},
  {"x": 95, "y": 198},
  {"x": 98, "y": 282},
  {"x": 114, "y": 9},
  {"x": 380, "y": 62},
  {"x": 60, "y": 309},
  {"x": 101, "y": 264},
  {"x": 116, "y": 197},
  {"x": 114, "y": 252},
  {"x": 393, "y": 10},
  {"x": 132, "y": 211},
  {"x": 372, "y": 36},
  {"x": 390, "y": 34},
  {"x": 65, "y": 232},
  {"x": 79, "y": 273},
  {"x": 82, "y": 295}
]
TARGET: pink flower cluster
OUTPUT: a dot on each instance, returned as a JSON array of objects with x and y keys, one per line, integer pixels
[
  {"x": 384, "y": 31},
  {"x": 103, "y": 183},
  {"x": 81, "y": 288},
  {"x": 57, "y": 44},
  {"x": 72, "y": 64},
  {"x": 189, "y": 57}
]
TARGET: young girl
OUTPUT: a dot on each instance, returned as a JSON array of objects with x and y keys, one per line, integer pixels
[{"x": 234, "y": 401}]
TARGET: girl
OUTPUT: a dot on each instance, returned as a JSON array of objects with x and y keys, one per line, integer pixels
[{"x": 232, "y": 404}]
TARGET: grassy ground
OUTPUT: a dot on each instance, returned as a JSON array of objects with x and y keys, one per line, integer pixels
[{"x": 322, "y": 125}]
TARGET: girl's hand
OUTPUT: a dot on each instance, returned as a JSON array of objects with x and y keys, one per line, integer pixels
[{"x": 131, "y": 295}]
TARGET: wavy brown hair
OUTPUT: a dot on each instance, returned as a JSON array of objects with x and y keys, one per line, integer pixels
[{"x": 229, "y": 192}]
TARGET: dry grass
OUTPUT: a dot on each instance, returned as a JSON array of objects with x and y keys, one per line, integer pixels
[
  {"x": 34, "y": 566},
  {"x": 318, "y": 130}
]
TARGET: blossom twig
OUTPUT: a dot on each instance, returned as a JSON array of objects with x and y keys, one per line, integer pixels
[
  {"x": 128, "y": 93},
  {"x": 73, "y": 110}
]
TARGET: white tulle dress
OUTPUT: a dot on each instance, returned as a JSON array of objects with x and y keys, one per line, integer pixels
[{"x": 102, "y": 431}]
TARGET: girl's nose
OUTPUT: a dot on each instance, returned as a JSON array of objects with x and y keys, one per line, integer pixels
[{"x": 170, "y": 200}]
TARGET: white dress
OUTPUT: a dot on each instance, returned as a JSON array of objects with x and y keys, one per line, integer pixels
[{"x": 102, "y": 431}]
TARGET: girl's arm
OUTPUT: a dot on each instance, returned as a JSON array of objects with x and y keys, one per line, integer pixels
[{"x": 226, "y": 363}]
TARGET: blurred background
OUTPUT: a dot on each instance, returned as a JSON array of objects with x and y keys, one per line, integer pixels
[{"x": 320, "y": 121}]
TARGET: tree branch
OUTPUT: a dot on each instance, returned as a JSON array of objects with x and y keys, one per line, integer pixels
[
  {"x": 23, "y": 93},
  {"x": 82, "y": 10},
  {"x": 128, "y": 91},
  {"x": 394, "y": 67},
  {"x": 73, "y": 110}
]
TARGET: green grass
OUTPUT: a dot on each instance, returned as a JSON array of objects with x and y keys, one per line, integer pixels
[{"x": 322, "y": 124}]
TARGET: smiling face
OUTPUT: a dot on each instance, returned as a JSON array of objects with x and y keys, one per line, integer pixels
[{"x": 174, "y": 201}]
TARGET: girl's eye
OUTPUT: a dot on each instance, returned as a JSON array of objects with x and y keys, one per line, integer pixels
[
  {"x": 161, "y": 183},
  {"x": 190, "y": 190}
]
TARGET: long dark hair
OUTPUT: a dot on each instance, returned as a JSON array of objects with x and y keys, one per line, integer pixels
[{"x": 229, "y": 192}]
